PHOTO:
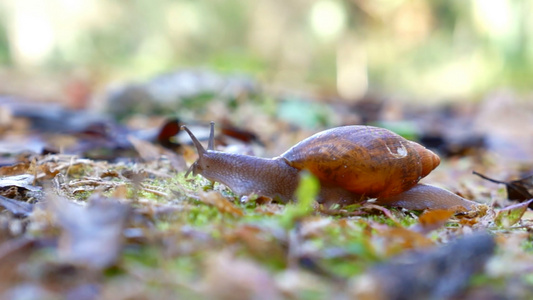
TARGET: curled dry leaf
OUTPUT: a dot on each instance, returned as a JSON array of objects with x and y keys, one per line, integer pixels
[
  {"x": 91, "y": 236},
  {"x": 14, "y": 188},
  {"x": 221, "y": 203},
  {"x": 22, "y": 181},
  {"x": 244, "y": 135},
  {"x": 519, "y": 190},
  {"x": 510, "y": 215}
]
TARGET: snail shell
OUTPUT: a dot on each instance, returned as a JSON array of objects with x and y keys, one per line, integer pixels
[{"x": 366, "y": 160}]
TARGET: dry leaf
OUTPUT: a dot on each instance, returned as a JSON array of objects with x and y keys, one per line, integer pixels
[
  {"x": 394, "y": 240},
  {"x": 16, "y": 169},
  {"x": 91, "y": 236},
  {"x": 510, "y": 215},
  {"x": 20, "y": 186},
  {"x": 432, "y": 219},
  {"x": 17, "y": 208},
  {"x": 146, "y": 150},
  {"x": 437, "y": 273},
  {"x": 227, "y": 277},
  {"x": 258, "y": 240},
  {"x": 24, "y": 181},
  {"x": 120, "y": 192},
  {"x": 150, "y": 152},
  {"x": 241, "y": 134},
  {"x": 221, "y": 203},
  {"x": 519, "y": 190}
]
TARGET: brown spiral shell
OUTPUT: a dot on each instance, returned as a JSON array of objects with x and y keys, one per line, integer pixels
[{"x": 366, "y": 160}]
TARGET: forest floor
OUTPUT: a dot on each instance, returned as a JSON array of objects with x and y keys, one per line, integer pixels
[{"x": 98, "y": 207}]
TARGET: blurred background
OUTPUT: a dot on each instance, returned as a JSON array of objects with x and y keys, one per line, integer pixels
[{"x": 440, "y": 50}]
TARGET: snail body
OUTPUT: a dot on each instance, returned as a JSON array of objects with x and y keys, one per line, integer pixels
[{"x": 351, "y": 162}]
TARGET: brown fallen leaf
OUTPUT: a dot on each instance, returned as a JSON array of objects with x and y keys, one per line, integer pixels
[
  {"x": 17, "y": 168},
  {"x": 395, "y": 240},
  {"x": 221, "y": 203},
  {"x": 120, "y": 192},
  {"x": 91, "y": 236},
  {"x": 230, "y": 130},
  {"x": 432, "y": 219},
  {"x": 151, "y": 152},
  {"x": 167, "y": 132},
  {"x": 146, "y": 150}
]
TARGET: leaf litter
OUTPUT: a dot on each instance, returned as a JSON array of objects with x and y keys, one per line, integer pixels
[{"x": 133, "y": 227}]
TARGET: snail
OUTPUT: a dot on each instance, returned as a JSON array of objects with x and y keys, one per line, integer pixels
[{"x": 352, "y": 163}]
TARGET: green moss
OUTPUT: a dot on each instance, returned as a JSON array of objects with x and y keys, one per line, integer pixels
[
  {"x": 83, "y": 195},
  {"x": 145, "y": 255},
  {"x": 202, "y": 215},
  {"x": 484, "y": 280},
  {"x": 528, "y": 245}
]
